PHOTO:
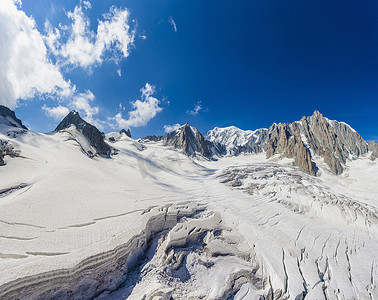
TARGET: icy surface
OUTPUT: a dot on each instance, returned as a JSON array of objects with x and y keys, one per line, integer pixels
[{"x": 152, "y": 223}]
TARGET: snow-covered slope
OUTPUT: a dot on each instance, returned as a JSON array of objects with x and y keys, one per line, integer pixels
[{"x": 152, "y": 223}]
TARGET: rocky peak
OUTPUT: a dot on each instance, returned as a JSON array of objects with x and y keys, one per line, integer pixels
[
  {"x": 285, "y": 140},
  {"x": 127, "y": 132},
  {"x": 9, "y": 117},
  {"x": 188, "y": 139},
  {"x": 73, "y": 118},
  {"x": 90, "y": 132}
]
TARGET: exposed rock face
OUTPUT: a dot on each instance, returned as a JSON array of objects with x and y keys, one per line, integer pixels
[
  {"x": 6, "y": 148},
  {"x": 9, "y": 117},
  {"x": 127, "y": 132},
  {"x": 189, "y": 139},
  {"x": 374, "y": 148},
  {"x": 372, "y": 145},
  {"x": 92, "y": 134},
  {"x": 312, "y": 136},
  {"x": 283, "y": 139},
  {"x": 186, "y": 138},
  {"x": 233, "y": 141},
  {"x": 152, "y": 138}
]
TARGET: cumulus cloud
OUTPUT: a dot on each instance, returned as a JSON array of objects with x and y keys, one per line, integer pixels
[
  {"x": 170, "y": 128},
  {"x": 173, "y": 23},
  {"x": 57, "y": 113},
  {"x": 25, "y": 70},
  {"x": 197, "y": 108},
  {"x": 144, "y": 110},
  {"x": 81, "y": 102},
  {"x": 79, "y": 46}
]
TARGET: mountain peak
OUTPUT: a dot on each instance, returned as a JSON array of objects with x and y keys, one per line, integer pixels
[
  {"x": 127, "y": 132},
  {"x": 10, "y": 117},
  {"x": 73, "y": 118},
  {"x": 90, "y": 132}
]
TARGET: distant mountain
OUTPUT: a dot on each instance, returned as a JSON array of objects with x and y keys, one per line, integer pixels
[
  {"x": 8, "y": 117},
  {"x": 302, "y": 140},
  {"x": 188, "y": 139},
  {"x": 94, "y": 140},
  {"x": 233, "y": 141}
]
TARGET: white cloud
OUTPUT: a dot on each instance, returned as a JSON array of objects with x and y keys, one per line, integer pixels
[
  {"x": 57, "y": 113},
  {"x": 173, "y": 23},
  {"x": 170, "y": 128},
  {"x": 86, "y": 48},
  {"x": 25, "y": 70},
  {"x": 87, "y": 4},
  {"x": 144, "y": 110},
  {"x": 197, "y": 108},
  {"x": 82, "y": 103},
  {"x": 119, "y": 72}
]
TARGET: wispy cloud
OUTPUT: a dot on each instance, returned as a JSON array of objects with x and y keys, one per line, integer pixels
[
  {"x": 170, "y": 128},
  {"x": 197, "y": 108},
  {"x": 173, "y": 23},
  {"x": 144, "y": 110}
]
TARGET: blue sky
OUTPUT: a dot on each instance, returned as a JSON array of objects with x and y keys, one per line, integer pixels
[{"x": 211, "y": 63}]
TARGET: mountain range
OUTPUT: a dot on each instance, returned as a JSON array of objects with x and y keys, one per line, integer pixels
[
  {"x": 232, "y": 214},
  {"x": 306, "y": 141}
]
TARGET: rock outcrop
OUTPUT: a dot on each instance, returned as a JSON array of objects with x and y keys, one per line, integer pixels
[
  {"x": 186, "y": 138},
  {"x": 6, "y": 148},
  {"x": 286, "y": 141},
  {"x": 90, "y": 132},
  {"x": 373, "y": 147},
  {"x": 127, "y": 132},
  {"x": 9, "y": 117},
  {"x": 302, "y": 140}
]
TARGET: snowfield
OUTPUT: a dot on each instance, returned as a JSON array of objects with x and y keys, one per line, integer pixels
[{"x": 152, "y": 223}]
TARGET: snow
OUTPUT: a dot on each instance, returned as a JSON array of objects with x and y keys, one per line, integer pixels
[
  {"x": 232, "y": 137},
  {"x": 153, "y": 222},
  {"x": 333, "y": 122}
]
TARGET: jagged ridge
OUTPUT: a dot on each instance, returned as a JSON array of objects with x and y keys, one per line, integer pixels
[{"x": 93, "y": 135}]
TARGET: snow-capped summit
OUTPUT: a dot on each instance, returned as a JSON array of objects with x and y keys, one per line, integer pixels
[
  {"x": 233, "y": 141},
  {"x": 90, "y": 139}
]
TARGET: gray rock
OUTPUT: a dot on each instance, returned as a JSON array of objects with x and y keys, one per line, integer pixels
[
  {"x": 186, "y": 138},
  {"x": 127, "y": 132},
  {"x": 315, "y": 135},
  {"x": 374, "y": 155},
  {"x": 372, "y": 145},
  {"x": 152, "y": 138},
  {"x": 93, "y": 135},
  {"x": 284, "y": 140},
  {"x": 12, "y": 119}
]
